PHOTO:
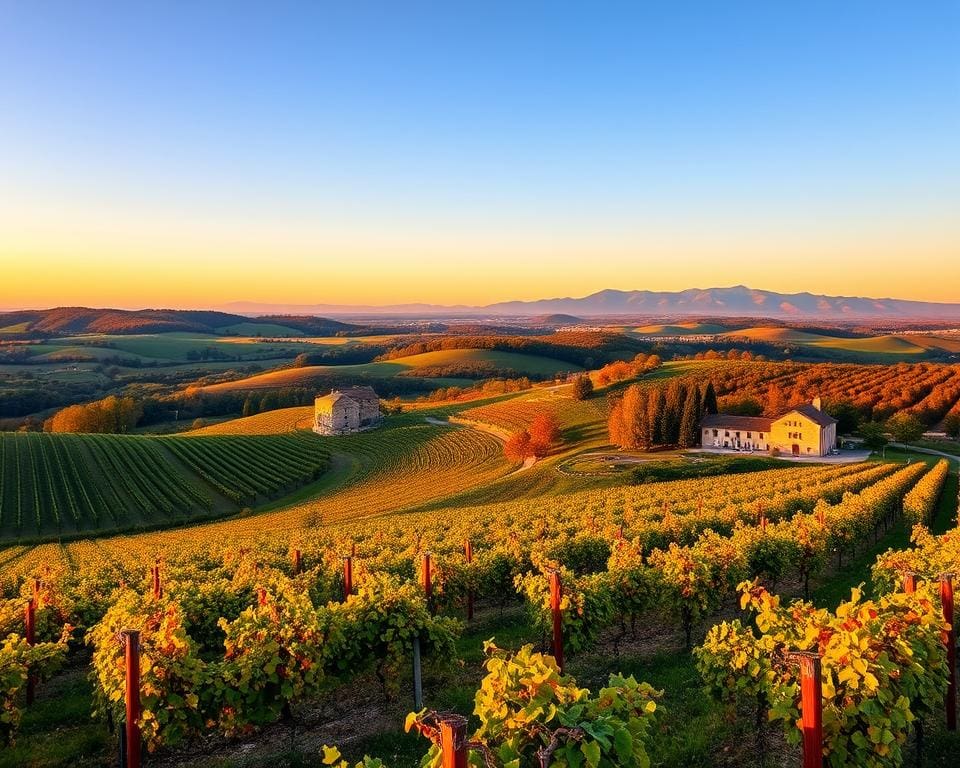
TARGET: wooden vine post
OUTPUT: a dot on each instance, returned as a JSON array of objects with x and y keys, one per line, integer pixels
[
  {"x": 157, "y": 587},
  {"x": 556, "y": 594},
  {"x": 950, "y": 640},
  {"x": 297, "y": 562},
  {"x": 131, "y": 647},
  {"x": 453, "y": 740},
  {"x": 347, "y": 576},
  {"x": 468, "y": 556},
  {"x": 811, "y": 709},
  {"x": 426, "y": 577},
  {"x": 30, "y": 622}
]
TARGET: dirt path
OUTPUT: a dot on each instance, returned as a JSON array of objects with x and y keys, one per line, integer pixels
[{"x": 931, "y": 451}]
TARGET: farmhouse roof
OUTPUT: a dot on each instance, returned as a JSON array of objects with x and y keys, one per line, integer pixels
[
  {"x": 730, "y": 421},
  {"x": 325, "y": 403},
  {"x": 358, "y": 393},
  {"x": 813, "y": 413}
]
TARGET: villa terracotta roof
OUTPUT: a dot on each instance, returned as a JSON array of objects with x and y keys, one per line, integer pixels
[{"x": 729, "y": 421}]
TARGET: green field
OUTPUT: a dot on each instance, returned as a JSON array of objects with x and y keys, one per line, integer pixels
[
  {"x": 520, "y": 364},
  {"x": 180, "y": 347},
  {"x": 64, "y": 484}
]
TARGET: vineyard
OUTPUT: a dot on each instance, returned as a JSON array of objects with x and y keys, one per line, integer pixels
[
  {"x": 269, "y": 423},
  {"x": 669, "y": 554},
  {"x": 420, "y": 541},
  {"x": 61, "y": 484},
  {"x": 925, "y": 390}
]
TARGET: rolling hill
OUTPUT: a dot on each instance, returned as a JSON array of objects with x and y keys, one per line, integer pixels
[
  {"x": 61, "y": 321},
  {"x": 680, "y": 329},
  {"x": 442, "y": 365},
  {"x": 888, "y": 344}
]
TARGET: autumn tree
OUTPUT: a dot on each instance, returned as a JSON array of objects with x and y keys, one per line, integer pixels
[
  {"x": 582, "y": 387},
  {"x": 544, "y": 433},
  {"x": 112, "y": 415},
  {"x": 776, "y": 400},
  {"x": 615, "y": 426},
  {"x": 629, "y": 422},
  {"x": 518, "y": 446}
]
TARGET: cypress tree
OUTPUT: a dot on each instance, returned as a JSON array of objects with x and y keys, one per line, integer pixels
[
  {"x": 690, "y": 421},
  {"x": 709, "y": 399}
]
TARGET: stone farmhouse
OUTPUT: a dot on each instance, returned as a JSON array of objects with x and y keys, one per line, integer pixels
[
  {"x": 802, "y": 431},
  {"x": 344, "y": 411}
]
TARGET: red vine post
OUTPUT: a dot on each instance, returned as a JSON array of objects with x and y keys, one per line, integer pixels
[
  {"x": 909, "y": 582},
  {"x": 30, "y": 622},
  {"x": 453, "y": 740},
  {"x": 556, "y": 593},
  {"x": 297, "y": 561},
  {"x": 811, "y": 709},
  {"x": 347, "y": 577},
  {"x": 468, "y": 556},
  {"x": 131, "y": 643},
  {"x": 950, "y": 640}
]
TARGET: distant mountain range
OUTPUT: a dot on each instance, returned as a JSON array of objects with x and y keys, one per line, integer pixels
[
  {"x": 314, "y": 319},
  {"x": 738, "y": 301}
]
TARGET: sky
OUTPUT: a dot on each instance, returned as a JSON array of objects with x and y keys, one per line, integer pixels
[{"x": 188, "y": 154}]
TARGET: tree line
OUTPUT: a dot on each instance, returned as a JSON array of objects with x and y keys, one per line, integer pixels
[{"x": 646, "y": 417}]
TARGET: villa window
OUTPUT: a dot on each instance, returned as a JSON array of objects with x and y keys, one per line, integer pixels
[{"x": 748, "y": 435}]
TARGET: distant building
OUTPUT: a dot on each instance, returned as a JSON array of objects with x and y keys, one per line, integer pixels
[
  {"x": 802, "y": 431},
  {"x": 346, "y": 410}
]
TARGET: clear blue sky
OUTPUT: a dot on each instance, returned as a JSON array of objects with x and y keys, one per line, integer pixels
[{"x": 658, "y": 139}]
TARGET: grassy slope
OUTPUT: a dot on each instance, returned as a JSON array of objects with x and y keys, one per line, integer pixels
[{"x": 521, "y": 363}]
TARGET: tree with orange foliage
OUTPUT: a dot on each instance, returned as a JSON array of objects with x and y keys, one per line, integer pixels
[
  {"x": 544, "y": 433},
  {"x": 110, "y": 415},
  {"x": 518, "y": 446}
]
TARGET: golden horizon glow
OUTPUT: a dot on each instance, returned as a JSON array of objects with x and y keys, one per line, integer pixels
[{"x": 175, "y": 272}]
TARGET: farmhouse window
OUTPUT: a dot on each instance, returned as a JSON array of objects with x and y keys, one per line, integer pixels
[{"x": 748, "y": 435}]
